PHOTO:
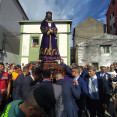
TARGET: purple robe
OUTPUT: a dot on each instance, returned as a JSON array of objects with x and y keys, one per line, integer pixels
[
  {"x": 68, "y": 78},
  {"x": 49, "y": 49}
]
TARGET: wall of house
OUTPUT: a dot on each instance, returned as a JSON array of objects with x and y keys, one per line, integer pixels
[
  {"x": 64, "y": 41},
  {"x": 9, "y": 15},
  {"x": 87, "y": 29},
  {"x": 92, "y": 51},
  {"x": 112, "y": 9}
]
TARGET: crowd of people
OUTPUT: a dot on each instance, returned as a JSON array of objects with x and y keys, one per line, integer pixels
[{"x": 74, "y": 91}]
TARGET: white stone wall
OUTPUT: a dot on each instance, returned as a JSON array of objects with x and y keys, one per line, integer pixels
[
  {"x": 82, "y": 54},
  {"x": 91, "y": 51}
]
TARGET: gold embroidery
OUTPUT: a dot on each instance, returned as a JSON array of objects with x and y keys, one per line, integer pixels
[
  {"x": 47, "y": 51},
  {"x": 49, "y": 21},
  {"x": 50, "y": 57},
  {"x": 56, "y": 53},
  {"x": 41, "y": 51},
  {"x": 54, "y": 29},
  {"x": 53, "y": 51},
  {"x": 44, "y": 29},
  {"x": 50, "y": 45}
]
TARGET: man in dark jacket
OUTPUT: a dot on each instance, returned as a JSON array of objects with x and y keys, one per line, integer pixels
[
  {"x": 70, "y": 92},
  {"x": 57, "y": 89},
  {"x": 84, "y": 92},
  {"x": 99, "y": 93},
  {"x": 19, "y": 83},
  {"x": 30, "y": 81},
  {"x": 104, "y": 74},
  {"x": 84, "y": 74}
]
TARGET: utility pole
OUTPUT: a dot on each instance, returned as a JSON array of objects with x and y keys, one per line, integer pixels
[{"x": 3, "y": 43}]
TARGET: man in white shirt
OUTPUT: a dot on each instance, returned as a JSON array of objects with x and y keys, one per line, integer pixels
[{"x": 112, "y": 71}]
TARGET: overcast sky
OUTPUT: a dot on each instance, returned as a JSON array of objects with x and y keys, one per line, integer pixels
[{"x": 77, "y": 10}]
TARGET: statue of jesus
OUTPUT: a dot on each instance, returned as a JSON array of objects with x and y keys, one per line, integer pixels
[{"x": 49, "y": 50}]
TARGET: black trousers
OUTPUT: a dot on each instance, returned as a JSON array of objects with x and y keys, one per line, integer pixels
[
  {"x": 4, "y": 102},
  {"x": 81, "y": 103},
  {"x": 95, "y": 108}
]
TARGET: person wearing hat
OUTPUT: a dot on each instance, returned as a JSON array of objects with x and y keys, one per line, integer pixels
[
  {"x": 49, "y": 50},
  {"x": 38, "y": 103}
]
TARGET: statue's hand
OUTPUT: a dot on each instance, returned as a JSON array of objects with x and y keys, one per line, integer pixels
[
  {"x": 51, "y": 31},
  {"x": 48, "y": 33}
]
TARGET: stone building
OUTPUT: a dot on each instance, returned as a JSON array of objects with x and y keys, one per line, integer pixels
[
  {"x": 100, "y": 50},
  {"x": 10, "y": 12},
  {"x": 31, "y": 33},
  {"x": 87, "y": 29}
]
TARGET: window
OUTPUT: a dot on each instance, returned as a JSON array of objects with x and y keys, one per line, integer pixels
[
  {"x": 113, "y": 25},
  {"x": 35, "y": 42},
  {"x": 110, "y": 28},
  {"x": 110, "y": 17},
  {"x": 106, "y": 49},
  {"x": 113, "y": 14},
  {"x": 113, "y": 2}
]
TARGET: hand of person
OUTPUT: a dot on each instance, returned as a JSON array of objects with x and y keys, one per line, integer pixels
[
  {"x": 105, "y": 106},
  {"x": 76, "y": 82},
  {"x": 62, "y": 60}
]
